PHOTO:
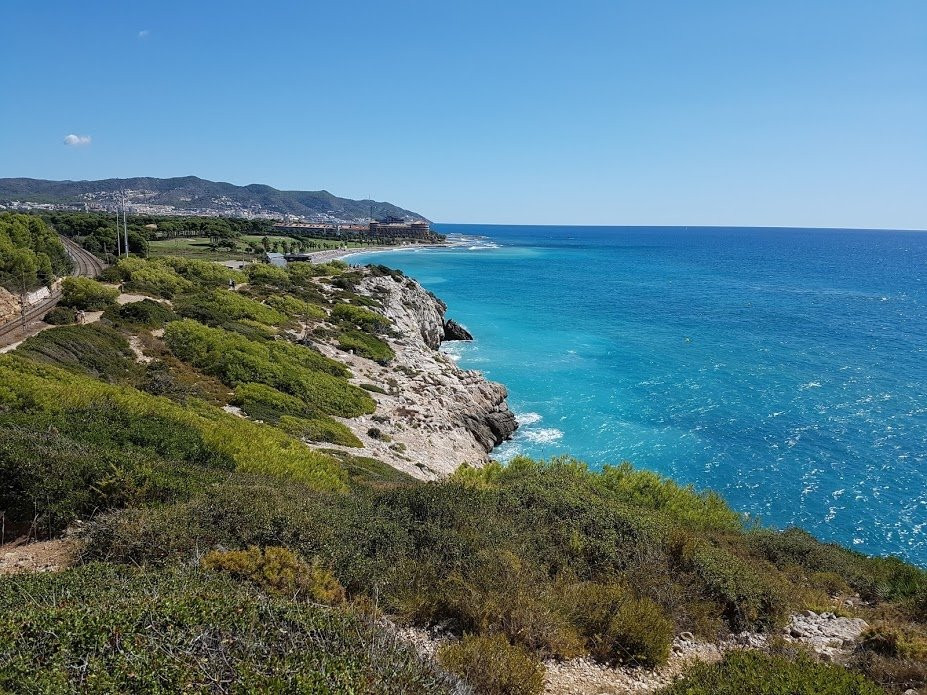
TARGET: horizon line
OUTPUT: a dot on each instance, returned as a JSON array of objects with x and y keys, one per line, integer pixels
[{"x": 695, "y": 226}]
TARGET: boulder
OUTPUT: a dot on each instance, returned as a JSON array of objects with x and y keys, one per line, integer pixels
[{"x": 454, "y": 331}]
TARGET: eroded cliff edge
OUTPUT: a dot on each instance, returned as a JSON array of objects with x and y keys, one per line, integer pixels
[{"x": 433, "y": 416}]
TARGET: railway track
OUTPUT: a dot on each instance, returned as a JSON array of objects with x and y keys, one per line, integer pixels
[{"x": 85, "y": 264}]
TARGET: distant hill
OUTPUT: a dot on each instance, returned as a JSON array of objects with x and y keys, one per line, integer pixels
[{"x": 190, "y": 194}]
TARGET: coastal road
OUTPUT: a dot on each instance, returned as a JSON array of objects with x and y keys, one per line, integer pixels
[{"x": 17, "y": 330}]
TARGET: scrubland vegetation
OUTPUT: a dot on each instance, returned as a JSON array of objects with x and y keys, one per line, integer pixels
[{"x": 224, "y": 554}]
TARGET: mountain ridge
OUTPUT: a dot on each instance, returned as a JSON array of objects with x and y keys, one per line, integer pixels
[{"x": 192, "y": 194}]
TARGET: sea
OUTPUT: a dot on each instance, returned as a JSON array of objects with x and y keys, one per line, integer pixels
[{"x": 784, "y": 368}]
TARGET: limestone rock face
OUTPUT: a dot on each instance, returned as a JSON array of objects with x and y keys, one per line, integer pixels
[
  {"x": 454, "y": 331},
  {"x": 433, "y": 416},
  {"x": 9, "y": 306}
]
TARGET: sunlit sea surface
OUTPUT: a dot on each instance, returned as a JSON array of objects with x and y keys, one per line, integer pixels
[{"x": 784, "y": 368}]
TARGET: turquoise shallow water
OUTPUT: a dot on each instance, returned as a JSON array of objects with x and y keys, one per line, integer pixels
[{"x": 786, "y": 369}]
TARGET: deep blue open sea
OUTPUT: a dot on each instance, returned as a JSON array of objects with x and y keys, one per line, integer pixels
[{"x": 784, "y": 368}]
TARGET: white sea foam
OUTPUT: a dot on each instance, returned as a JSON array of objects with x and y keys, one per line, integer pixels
[
  {"x": 528, "y": 418},
  {"x": 543, "y": 435},
  {"x": 452, "y": 350},
  {"x": 810, "y": 385}
]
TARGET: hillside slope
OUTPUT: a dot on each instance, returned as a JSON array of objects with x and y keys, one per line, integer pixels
[{"x": 190, "y": 194}]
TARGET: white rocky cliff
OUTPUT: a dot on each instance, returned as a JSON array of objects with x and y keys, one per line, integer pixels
[{"x": 433, "y": 416}]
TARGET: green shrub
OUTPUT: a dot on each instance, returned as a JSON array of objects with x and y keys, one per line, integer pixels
[
  {"x": 366, "y": 345},
  {"x": 40, "y": 395},
  {"x": 360, "y": 317},
  {"x": 755, "y": 673},
  {"x": 218, "y": 306},
  {"x": 152, "y": 277},
  {"x": 93, "y": 349},
  {"x": 268, "y": 404},
  {"x": 264, "y": 274},
  {"x": 49, "y": 477},
  {"x": 297, "y": 308},
  {"x": 87, "y": 294},
  {"x": 875, "y": 578},
  {"x": 619, "y": 627},
  {"x": 202, "y": 273},
  {"x": 373, "y": 388},
  {"x": 146, "y": 313},
  {"x": 60, "y": 316},
  {"x": 278, "y": 570},
  {"x": 302, "y": 272},
  {"x": 320, "y": 429},
  {"x": 121, "y": 630},
  {"x": 291, "y": 368},
  {"x": 493, "y": 666},
  {"x": 751, "y": 598}
]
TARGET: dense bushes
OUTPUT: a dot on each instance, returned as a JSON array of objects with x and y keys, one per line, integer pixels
[
  {"x": 296, "y": 308},
  {"x": 760, "y": 674},
  {"x": 292, "y": 415},
  {"x": 360, "y": 317},
  {"x": 617, "y": 626},
  {"x": 107, "y": 629},
  {"x": 87, "y": 294},
  {"x": 874, "y": 578},
  {"x": 268, "y": 275},
  {"x": 280, "y": 571},
  {"x": 542, "y": 553},
  {"x": 291, "y": 368},
  {"x": 493, "y": 666},
  {"x": 202, "y": 273},
  {"x": 151, "y": 277},
  {"x": 145, "y": 314},
  {"x": 49, "y": 477},
  {"x": 39, "y": 397},
  {"x": 60, "y": 316},
  {"x": 94, "y": 349},
  {"x": 216, "y": 307},
  {"x": 320, "y": 429},
  {"x": 366, "y": 345}
]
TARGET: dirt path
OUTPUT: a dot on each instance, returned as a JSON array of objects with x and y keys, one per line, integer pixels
[{"x": 44, "y": 556}]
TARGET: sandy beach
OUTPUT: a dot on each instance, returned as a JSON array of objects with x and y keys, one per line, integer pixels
[{"x": 333, "y": 254}]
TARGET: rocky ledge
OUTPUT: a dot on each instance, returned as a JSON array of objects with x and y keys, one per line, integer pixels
[{"x": 433, "y": 416}]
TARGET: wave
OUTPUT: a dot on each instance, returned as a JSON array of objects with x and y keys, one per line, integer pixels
[
  {"x": 543, "y": 435},
  {"x": 528, "y": 418}
]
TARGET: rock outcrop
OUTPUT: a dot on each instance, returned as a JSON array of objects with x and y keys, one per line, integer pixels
[
  {"x": 432, "y": 416},
  {"x": 454, "y": 331},
  {"x": 9, "y": 306}
]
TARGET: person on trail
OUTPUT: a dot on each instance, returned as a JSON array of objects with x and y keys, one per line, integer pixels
[
  {"x": 231, "y": 284},
  {"x": 80, "y": 316}
]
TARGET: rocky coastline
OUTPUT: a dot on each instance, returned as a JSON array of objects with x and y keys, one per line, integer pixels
[{"x": 432, "y": 417}]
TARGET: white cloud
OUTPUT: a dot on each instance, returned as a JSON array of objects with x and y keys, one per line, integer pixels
[
  {"x": 73, "y": 140},
  {"x": 144, "y": 34}
]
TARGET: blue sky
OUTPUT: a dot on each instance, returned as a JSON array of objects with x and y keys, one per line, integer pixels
[{"x": 589, "y": 112}]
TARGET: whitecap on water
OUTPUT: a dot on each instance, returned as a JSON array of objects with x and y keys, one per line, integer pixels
[
  {"x": 527, "y": 418},
  {"x": 543, "y": 435}
]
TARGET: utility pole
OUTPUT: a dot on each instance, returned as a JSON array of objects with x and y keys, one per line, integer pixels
[
  {"x": 22, "y": 299},
  {"x": 118, "y": 247},
  {"x": 125, "y": 228}
]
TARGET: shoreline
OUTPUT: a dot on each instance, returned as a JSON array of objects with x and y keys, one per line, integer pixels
[{"x": 340, "y": 254}]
